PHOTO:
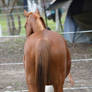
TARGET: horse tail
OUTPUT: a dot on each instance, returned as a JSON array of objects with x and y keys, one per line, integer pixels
[
  {"x": 68, "y": 62},
  {"x": 41, "y": 65},
  {"x": 69, "y": 67},
  {"x": 70, "y": 79}
]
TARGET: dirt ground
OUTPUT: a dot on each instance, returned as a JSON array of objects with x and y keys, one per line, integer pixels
[{"x": 12, "y": 77}]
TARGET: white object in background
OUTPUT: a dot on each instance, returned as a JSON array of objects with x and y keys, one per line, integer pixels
[
  {"x": 31, "y": 6},
  {"x": 49, "y": 88},
  {"x": 58, "y": 28},
  {"x": 0, "y": 30}
]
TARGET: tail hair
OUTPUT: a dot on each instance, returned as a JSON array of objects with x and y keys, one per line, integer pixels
[{"x": 41, "y": 65}]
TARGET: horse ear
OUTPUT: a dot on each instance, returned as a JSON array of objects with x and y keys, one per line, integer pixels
[
  {"x": 37, "y": 11},
  {"x": 25, "y": 13}
]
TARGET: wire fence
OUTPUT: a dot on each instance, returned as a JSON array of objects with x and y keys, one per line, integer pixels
[
  {"x": 50, "y": 89},
  {"x": 19, "y": 13},
  {"x": 73, "y": 60},
  {"x": 15, "y": 7}
]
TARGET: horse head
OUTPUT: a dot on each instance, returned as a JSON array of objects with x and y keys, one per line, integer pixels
[{"x": 34, "y": 22}]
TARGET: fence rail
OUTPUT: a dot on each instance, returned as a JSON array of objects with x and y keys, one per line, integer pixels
[
  {"x": 50, "y": 87},
  {"x": 73, "y": 60},
  {"x": 15, "y": 7},
  {"x": 21, "y": 13},
  {"x": 77, "y": 32},
  {"x": 19, "y": 7}
]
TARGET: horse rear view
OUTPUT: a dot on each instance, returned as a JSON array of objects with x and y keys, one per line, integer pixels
[{"x": 46, "y": 56}]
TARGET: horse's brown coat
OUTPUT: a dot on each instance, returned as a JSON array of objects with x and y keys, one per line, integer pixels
[{"x": 46, "y": 56}]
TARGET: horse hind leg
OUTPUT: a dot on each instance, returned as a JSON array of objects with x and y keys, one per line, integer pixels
[
  {"x": 58, "y": 87},
  {"x": 30, "y": 82},
  {"x": 30, "y": 74}
]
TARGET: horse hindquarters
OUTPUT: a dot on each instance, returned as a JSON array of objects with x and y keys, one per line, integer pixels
[{"x": 41, "y": 65}]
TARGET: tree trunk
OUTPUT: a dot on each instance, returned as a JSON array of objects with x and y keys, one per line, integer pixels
[
  {"x": 10, "y": 18},
  {"x": 19, "y": 25},
  {"x": 11, "y": 25}
]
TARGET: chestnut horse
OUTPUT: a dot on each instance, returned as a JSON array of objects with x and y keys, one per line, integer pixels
[{"x": 46, "y": 56}]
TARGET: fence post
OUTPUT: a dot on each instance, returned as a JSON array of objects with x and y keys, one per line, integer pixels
[
  {"x": 58, "y": 28},
  {"x": 0, "y": 30}
]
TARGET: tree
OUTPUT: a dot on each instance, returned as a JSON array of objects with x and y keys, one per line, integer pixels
[{"x": 9, "y": 7}]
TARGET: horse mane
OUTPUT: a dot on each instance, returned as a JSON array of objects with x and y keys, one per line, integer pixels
[
  {"x": 40, "y": 22},
  {"x": 43, "y": 22}
]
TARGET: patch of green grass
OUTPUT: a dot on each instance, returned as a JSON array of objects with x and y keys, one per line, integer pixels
[
  {"x": 19, "y": 40},
  {"x": 89, "y": 49},
  {"x": 3, "y": 22}
]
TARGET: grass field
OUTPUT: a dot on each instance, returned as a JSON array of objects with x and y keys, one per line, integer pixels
[{"x": 3, "y": 22}]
